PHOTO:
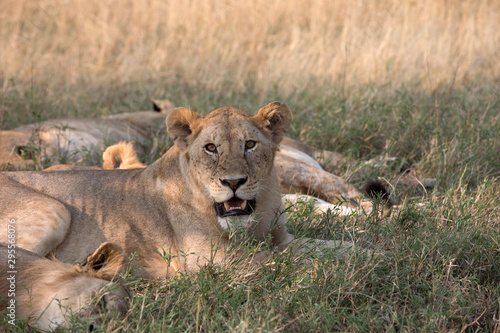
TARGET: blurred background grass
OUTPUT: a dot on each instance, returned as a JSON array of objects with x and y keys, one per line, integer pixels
[{"x": 247, "y": 46}]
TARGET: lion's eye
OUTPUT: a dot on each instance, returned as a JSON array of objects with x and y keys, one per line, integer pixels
[
  {"x": 250, "y": 144},
  {"x": 211, "y": 148}
]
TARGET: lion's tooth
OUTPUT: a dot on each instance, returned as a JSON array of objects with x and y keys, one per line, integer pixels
[
  {"x": 244, "y": 204},
  {"x": 227, "y": 206}
]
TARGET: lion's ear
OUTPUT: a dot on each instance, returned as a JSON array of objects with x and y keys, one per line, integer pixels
[
  {"x": 106, "y": 262},
  {"x": 179, "y": 125},
  {"x": 162, "y": 105},
  {"x": 275, "y": 117}
]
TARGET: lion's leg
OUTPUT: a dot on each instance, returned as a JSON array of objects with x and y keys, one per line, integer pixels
[
  {"x": 308, "y": 179},
  {"x": 32, "y": 220},
  {"x": 328, "y": 159},
  {"x": 320, "y": 207}
]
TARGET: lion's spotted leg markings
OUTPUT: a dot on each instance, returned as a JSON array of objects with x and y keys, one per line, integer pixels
[{"x": 40, "y": 224}]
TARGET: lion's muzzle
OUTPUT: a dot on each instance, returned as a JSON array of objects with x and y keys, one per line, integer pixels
[{"x": 234, "y": 207}]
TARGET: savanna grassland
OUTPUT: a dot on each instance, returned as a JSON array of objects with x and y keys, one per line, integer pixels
[{"x": 416, "y": 80}]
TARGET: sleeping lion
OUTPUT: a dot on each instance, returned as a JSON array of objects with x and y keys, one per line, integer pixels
[{"x": 47, "y": 293}]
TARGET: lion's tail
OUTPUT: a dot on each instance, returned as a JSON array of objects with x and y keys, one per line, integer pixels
[{"x": 121, "y": 156}]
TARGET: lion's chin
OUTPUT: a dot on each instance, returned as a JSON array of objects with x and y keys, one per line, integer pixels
[{"x": 234, "y": 207}]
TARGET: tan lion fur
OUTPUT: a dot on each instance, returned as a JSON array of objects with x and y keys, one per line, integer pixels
[
  {"x": 118, "y": 156},
  {"x": 70, "y": 139},
  {"x": 168, "y": 207},
  {"x": 61, "y": 167},
  {"x": 10, "y": 155},
  {"x": 49, "y": 292},
  {"x": 121, "y": 156}
]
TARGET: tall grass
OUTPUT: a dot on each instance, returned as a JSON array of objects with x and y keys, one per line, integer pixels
[{"x": 250, "y": 45}]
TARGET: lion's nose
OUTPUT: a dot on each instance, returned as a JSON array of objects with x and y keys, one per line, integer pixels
[{"x": 233, "y": 184}]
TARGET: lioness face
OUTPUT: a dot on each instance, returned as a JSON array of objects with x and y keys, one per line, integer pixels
[
  {"x": 230, "y": 154},
  {"x": 233, "y": 158}
]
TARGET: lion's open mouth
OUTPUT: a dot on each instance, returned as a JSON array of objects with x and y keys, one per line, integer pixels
[{"x": 234, "y": 207}]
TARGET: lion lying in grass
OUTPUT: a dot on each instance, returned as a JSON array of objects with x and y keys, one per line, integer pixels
[
  {"x": 218, "y": 176},
  {"x": 69, "y": 140},
  {"x": 47, "y": 293}
]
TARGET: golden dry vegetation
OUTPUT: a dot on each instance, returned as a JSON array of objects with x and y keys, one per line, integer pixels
[
  {"x": 286, "y": 43},
  {"x": 422, "y": 84}
]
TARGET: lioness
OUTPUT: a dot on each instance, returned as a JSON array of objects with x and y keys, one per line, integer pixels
[
  {"x": 47, "y": 293},
  {"x": 218, "y": 175}
]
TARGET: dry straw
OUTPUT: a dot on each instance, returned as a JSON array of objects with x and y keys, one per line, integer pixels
[{"x": 259, "y": 42}]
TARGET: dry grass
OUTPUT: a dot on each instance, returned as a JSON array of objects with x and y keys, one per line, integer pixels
[
  {"x": 250, "y": 44},
  {"x": 428, "y": 75}
]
